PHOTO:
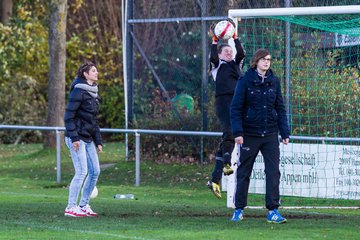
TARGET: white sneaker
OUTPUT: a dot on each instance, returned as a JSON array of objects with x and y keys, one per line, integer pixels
[
  {"x": 74, "y": 212},
  {"x": 88, "y": 211}
]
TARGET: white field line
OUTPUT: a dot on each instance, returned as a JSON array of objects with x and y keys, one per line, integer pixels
[
  {"x": 306, "y": 207},
  {"x": 319, "y": 207},
  {"x": 7, "y": 222},
  {"x": 46, "y": 195},
  {"x": 37, "y": 226},
  {"x": 30, "y": 194}
]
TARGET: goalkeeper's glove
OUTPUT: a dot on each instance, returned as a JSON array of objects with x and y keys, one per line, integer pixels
[
  {"x": 212, "y": 33},
  {"x": 235, "y": 36},
  {"x": 231, "y": 21}
]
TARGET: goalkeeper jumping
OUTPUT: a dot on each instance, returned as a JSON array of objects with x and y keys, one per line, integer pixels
[{"x": 225, "y": 70}]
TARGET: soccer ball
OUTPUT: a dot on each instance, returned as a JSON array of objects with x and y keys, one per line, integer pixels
[
  {"x": 94, "y": 193},
  {"x": 224, "y": 30}
]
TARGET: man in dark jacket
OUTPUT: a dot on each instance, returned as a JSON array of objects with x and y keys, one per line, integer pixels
[
  {"x": 257, "y": 116},
  {"x": 226, "y": 71}
]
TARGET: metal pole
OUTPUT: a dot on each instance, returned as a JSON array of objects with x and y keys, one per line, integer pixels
[
  {"x": 152, "y": 69},
  {"x": 287, "y": 62},
  {"x": 204, "y": 85},
  {"x": 58, "y": 157},
  {"x": 175, "y": 19},
  {"x": 130, "y": 61},
  {"x": 137, "y": 159}
]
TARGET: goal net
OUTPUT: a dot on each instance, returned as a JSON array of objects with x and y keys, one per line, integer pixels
[{"x": 316, "y": 54}]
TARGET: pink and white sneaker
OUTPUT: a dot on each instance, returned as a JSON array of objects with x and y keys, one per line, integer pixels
[
  {"x": 88, "y": 211},
  {"x": 74, "y": 212}
]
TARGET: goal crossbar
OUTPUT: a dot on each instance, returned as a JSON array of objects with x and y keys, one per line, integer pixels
[{"x": 264, "y": 12}]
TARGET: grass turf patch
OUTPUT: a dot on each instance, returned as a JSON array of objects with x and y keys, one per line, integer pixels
[{"x": 173, "y": 203}]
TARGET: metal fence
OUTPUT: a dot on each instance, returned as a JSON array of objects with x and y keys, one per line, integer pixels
[
  {"x": 176, "y": 59},
  {"x": 138, "y": 133}
]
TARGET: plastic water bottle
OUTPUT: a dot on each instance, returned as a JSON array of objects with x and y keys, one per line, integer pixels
[{"x": 124, "y": 196}]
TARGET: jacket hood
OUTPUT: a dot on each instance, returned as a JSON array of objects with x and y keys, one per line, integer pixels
[{"x": 76, "y": 81}]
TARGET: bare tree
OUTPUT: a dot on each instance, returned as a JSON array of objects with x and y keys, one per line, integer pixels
[
  {"x": 6, "y": 10},
  {"x": 57, "y": 51}
]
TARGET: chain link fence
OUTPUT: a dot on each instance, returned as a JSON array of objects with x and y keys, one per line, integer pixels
[{"x": 167, "y": 61}]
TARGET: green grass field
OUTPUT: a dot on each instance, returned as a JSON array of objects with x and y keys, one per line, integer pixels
[{"x": 172, "y": 203}]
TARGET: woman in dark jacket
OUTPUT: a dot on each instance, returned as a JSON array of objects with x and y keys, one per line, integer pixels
[
  {"x": 257, "y": 116},
  {"x": 83, "y": 138}
]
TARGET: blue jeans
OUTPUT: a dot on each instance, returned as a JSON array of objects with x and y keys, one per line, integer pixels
[{"x": 86, "y": 165}]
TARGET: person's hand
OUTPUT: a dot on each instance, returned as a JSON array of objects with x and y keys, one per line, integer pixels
[
  {"x": 99, "y": 148},
  {"x": 76, "y": 145},
  {"x": 230, "y": 20},
  {"x": 234, "y": 36},
  {"x": 286, "y": 141},
  {"x": 239, "y": 140},
  {"x": 212, "y": 33}
]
